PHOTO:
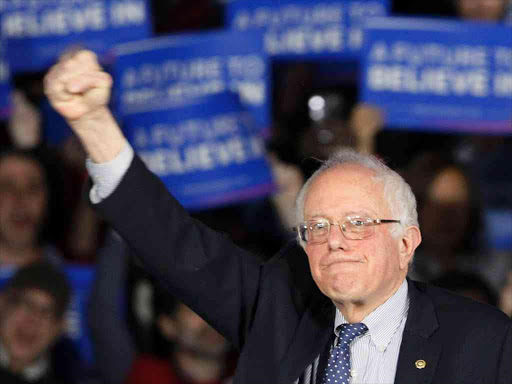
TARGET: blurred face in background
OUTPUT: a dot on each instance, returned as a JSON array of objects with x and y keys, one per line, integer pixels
[
  {"x": 29, "y": 325},
  {"x": 446, "y": 212},
  {"x": 192, "y": 334},
  {"x": 23, "y": 201},
  {"x": 485, "y": 10}
]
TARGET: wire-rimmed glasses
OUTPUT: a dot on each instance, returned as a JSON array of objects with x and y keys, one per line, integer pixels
[{"x": 317, "y": 231}]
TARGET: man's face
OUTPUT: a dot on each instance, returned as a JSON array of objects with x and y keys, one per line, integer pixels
[
  {"x": 28, "y": 325},
  {"x": 363, "y": 271},
  {"x": 23, "y": 200},
  {"x": 487, "y": 10}
]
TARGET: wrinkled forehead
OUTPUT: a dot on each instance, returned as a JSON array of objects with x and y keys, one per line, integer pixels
[{"x": 345, "y": 190}]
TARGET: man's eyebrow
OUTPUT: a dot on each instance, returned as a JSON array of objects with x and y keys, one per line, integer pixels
[
  {"x": 318, "y": 216},
  {"x": 360, "y": 213},
  {"x": 364, "y": 213}
]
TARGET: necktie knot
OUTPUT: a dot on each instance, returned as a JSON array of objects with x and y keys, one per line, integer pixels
[{"x": 348, "y": 332}]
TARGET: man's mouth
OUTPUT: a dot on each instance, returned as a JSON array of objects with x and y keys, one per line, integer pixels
[{"x": 340, "y": 260}]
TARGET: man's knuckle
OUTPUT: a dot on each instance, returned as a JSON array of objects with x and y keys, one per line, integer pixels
[
  {"x": 87, "y": 56},
  {"x": 107, "y": 78}
]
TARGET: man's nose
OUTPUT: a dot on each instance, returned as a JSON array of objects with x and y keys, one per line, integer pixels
[{"x": 336, "y": 238}]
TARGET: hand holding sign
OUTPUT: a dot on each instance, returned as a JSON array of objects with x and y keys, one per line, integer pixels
[{"x": 79, "y": 90}]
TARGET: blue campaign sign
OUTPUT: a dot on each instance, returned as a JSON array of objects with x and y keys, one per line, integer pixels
[
  {"x": 81, "y": 279},
  {"x": 208, "y": 153},
  {"x": 498, "y": 224},
  {"x": 39, "y": 31},
  {"x": 439, "y": 74},
  {"x": 307, "y": 29},
  {"x": 177, "y": 69},
  {"x": 4, "y": 84}
]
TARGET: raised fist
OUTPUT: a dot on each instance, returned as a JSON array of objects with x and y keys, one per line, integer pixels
[{"x": 77, "y": 86}]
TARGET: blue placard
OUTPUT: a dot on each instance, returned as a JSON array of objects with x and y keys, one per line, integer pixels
[
  {"x": 307, "y": 29},
  {"x": 208, "y": 153},
  {"x": 39, "y": 31},
  {"x": 5, "y": 87},
  {"x": 439, "y": 75},
  {"x": 81, "y": 279},
  {"x": 176, "y": 70},
  {"x": 498, "y": 224}
]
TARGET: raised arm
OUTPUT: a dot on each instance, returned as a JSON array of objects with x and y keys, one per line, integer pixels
[
  {"x": 201, "y": 267},
  {"x": 79, "y": 89}
]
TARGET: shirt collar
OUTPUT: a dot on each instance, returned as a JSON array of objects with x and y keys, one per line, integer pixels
[
  {"x": 384, "y": 321},
  {"x": 35, "y": 371}
]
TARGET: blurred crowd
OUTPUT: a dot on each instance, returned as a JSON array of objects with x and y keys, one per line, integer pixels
[{"x": 140, "y": 334}]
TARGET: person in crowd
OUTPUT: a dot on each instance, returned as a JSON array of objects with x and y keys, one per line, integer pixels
[
  {"x": 190, "y": 351},
  {"x": 450, "y": 211},
  {"x": 450, "y": 215},
  {"x": 28, "y": 230},
  {"x": 32, "y": 308},
  {"x": 344, "y": 281},
  {"x": 24, "y": 210},
  {"x": 197, "y": 353},
  {"x": 79, "y": 230}
]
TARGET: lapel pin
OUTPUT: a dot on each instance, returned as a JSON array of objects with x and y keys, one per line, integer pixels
[{"x": 420, "y": 364}]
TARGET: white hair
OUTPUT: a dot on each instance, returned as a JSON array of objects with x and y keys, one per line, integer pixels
[{"x": 397, "y": 192}]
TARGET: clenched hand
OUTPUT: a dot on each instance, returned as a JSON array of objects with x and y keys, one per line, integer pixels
[{"x": 79, "y": 89}]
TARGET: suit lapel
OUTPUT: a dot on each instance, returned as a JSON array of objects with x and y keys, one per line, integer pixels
[
  {"x": 308, "y": 342},
  {"x": 419, "y": 354}
]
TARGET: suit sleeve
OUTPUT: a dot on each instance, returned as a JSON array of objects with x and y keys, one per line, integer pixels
[
  {"x": 505, "y": 363},
  {"x": 201, "y": 267}
]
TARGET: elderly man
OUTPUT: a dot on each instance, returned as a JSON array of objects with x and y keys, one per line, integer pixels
[{"x": 347, "y": 316}]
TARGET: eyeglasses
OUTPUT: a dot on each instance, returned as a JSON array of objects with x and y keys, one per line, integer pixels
[{"x": 353, "y": 228}]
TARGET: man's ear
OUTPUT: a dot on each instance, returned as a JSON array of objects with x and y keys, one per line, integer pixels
[
  {"x": 408, "y": 244},
  {"x": 167, "y": 326}
]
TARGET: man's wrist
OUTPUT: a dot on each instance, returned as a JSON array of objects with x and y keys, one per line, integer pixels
[
  {"x": 107, "y": 176},
  {"x": 100, "y": 135}
]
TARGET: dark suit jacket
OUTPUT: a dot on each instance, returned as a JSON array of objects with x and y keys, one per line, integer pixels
[{"x": 274, "y": 313}]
